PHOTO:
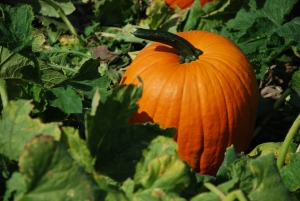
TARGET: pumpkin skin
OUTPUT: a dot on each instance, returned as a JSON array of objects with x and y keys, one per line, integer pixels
[
  {"x": 183, "y": 4},
  {"x": 212, "y": 101}
]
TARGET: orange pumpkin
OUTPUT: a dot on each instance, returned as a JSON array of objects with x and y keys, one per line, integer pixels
[
  {"x": 185, "y": 3},
  {"x": 212, "y": 101}
]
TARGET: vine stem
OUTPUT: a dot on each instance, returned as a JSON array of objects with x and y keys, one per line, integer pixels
[
  {"x": 237, "y": 194},
  {"x": 277, "y": 104},
  {"x": 62, "y": 15},
  {"x": 215, "y": 190},
  {"x": 63, "y": 68},
  {"x": 287, "y": 141},
  {"x": 3, "y": 92}
]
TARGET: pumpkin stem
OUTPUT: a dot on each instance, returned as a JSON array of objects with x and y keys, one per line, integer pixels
[{"x": 185, "y": 49}]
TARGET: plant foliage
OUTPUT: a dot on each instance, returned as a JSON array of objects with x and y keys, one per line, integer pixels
[{"x": 64, "y": 132}]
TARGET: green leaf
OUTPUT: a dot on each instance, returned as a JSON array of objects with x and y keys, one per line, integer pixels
[
  {"x": 228, "y": 186},
  {"x": 77, "y": 147},
  {"x": 125, "y": 35},
  {"x": 290, "y": 30},
  {"x": 46, "y": 166},
  {"x": 14, "y": 65},
  {"x": 239, "y": 169},
  {"x": 267, "y": 183},
  {"x": 259, "y": 178},
  {"x": 258, "y": 29},
  {"x": 34, "y": 92},
  {"x": 160, "y": 174},
  {"x": 110, "y": 12},
  {"x": 88, "y": 79},
  {"x": 67, "y": 60},
  {"x": 16, "y": 187},
  {"x": 15, "y": 27},
  {"x": 158, "y": 147},
  {"x": 64, "y": 98},
  {"x": 272, "y": 147},
  {"x": 166, "y": 172},
  {"x": 212, "y": 15},
  {"x": 110, "y": 188},
  {"x": 16, "y": 128},
  {"x": 230, "y": 157},
  {"x": 158, "y": 13},
  {"x": 116, "y": 144},
  {"x": 295, "y": 83},
  {"x": 42, "y": 7},
  {"x": 274, "y": 10},
  {"x": 290, "y": 173},
  {"x": 161, "y": 168},
  {"x": 38, "y": 41},
  {"x": 88, "y": 87},
  {"x": 51, "y": 76}
]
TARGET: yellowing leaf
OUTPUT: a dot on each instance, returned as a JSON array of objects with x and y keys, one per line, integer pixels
[{"x": 16, "y": 128}]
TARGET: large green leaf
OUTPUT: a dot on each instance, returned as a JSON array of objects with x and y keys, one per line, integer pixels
[
  {"x": 161, "y": 167},
  {"x": 230, "y": 157},
  {"x": 15, "y": 26},
  {"x": 256, "y": 179},
  {"x": 116, "y": 144},
  {"x": 16, "y": 128},
  {"x": 267, "y": 183},
  {"x": 158, "y": 13},
  {"x": 159, "y": 174},
  {"x": 272, "y": 147},
  {"x": 65, "y": 99},
  {"x": 290, "y": 173},
  {"x": 44, "y": 8},
  {"x": 159, "y": 146},
  {"x": 110, "y": 12},
  {"x": 50, "y": 173},
  {"x": 259, "y": 30},
  {"x": 88, "y": 79},
  {"x": 14, "y": 65},
  {"x": 260, "y": 178},
  {"x": 290, "y": 30},
  {"x": 210, "y": 16},
  {"x": 77, "y": 147}
]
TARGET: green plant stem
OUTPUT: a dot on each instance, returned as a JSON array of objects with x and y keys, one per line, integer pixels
[
  {"x": 77, "y": 53},
  {"x": 215, "y": 190},
  {"x": 235, "y": 194},
  {"x": 277, "y": 104},
  {"x": 63, "y": 67},
  {"x": 62, "y": 15},
  {"x": 287, "y": 141},
  {"x": 298, "y": 149},
  {"x": 3, "y": 92}
]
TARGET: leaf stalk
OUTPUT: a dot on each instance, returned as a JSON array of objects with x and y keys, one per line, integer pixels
[
  {"x": 287, "y": 141},
  {"x": 3, "y": 92},
  {"x": 62, "y": 15},
  {"x": 215, "y": 190}
]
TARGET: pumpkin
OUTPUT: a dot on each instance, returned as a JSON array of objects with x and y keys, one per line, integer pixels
[
  {"x": 185, "y": 3},
  {"x": 202, "y": 84}
]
